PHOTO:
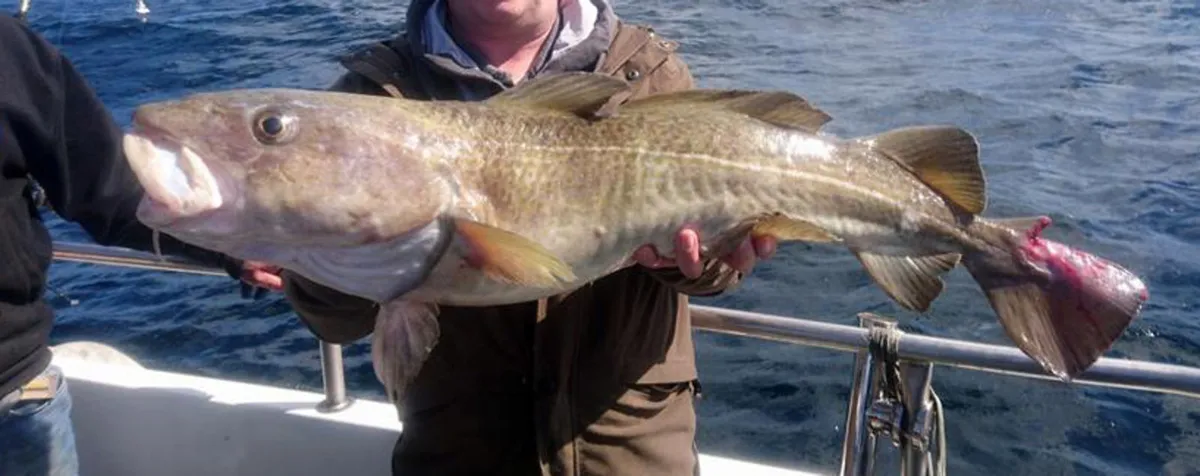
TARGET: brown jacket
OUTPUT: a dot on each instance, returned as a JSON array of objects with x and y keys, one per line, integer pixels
[{"x": 538, "y": 376}]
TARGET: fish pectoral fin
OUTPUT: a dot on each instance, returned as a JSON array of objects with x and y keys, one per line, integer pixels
[
  {"x": 912, "y": 281},
  {"x": 944, "y": 157},
  {"x": 780, "y": 108},
  {"x": 508, "y": 257},
  {"x": 784, "y": 228},
  {"x": 579, "y": 93},
  {"x": 405, "y": 333}
]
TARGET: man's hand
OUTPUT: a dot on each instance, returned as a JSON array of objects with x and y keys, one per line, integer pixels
[
  {"x": 687, "y": 254},
  {"x": 262, "y": 275},
  {"x": 258, "y": 278}
]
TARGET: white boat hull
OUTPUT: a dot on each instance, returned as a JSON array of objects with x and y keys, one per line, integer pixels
[{"x": 132, "y": 421}]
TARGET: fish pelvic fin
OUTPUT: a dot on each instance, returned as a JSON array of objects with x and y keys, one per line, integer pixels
[
  {"x": 508, "y": 257},
  {"x": 946, "y": 158},
  {"x": 914, "y": 282},
  {"x": 1062, "y": 307},
  {"x": 405, "y": 334},
  {"x": 779, "y": 108}
]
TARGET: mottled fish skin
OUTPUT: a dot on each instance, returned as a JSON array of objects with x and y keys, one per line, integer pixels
[
  {"x": 592, "y": 191},
  {"x": 589, "y": 191},
  {"x": 547, "y": 187}
]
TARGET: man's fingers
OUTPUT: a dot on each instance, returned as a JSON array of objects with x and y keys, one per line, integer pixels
[
  {"x": 765, "y": 246},
  {"x": 266, "y": 279},
  {"x": 743, "y": 258},
  {"x": 687, "y": 252},
  {"x": 250, "y": 291},
  {"x": 646, "y": 256}
]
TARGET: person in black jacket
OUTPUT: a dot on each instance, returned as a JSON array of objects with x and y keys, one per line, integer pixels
[{"x": 54, "y": 131}]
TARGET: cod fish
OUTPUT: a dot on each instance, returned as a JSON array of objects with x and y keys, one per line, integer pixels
[{"x": 553, "y": 184}]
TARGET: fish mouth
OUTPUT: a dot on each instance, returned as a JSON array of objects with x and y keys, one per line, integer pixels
[{"x": 178, "y": 183}]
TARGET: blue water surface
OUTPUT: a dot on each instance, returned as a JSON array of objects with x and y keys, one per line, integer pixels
[{"x": 1087, "y": 111}]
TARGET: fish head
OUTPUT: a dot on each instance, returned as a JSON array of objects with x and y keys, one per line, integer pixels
[{"x": 263, "y": 174}]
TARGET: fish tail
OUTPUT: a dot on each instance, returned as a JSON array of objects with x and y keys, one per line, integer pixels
[{"x": 1062, "y": 307}]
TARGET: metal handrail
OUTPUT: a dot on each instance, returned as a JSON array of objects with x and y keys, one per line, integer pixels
[
  {"x": 332, "y": 371},
  {"x": 23, "y": 9},
  {"x": 1106, "y": 372},
  {"x": 140, "y": 8},
  {"x": 859, "y": 439}
]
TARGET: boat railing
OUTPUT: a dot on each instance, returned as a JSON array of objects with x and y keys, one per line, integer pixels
[
  {"x": 891, "y": 395},
  {"x": 140, "y": 8}
]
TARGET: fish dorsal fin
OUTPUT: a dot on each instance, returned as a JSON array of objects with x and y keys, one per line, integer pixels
[
  {"x": 582, "y": 94},
  {"x": 944, "y": 157},
  {"x": 780, "y": 108}
]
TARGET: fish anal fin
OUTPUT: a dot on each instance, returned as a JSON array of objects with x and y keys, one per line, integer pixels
[
  {"x": 508, "y": 257},
  {"x": 784, "y": 228},
  {"x": 405, "y": 333},
  {"x": 944, "y": 157},
  {"x": 579, "y": 93},
  {"x": 780, "y": 108},
  {"x": 912, "y": 281}
]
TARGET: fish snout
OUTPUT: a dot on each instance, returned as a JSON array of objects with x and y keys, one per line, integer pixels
[{"x": 177, "y": 181}]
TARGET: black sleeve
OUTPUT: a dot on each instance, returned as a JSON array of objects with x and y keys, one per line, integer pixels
[{"x": 76, "y": 152}]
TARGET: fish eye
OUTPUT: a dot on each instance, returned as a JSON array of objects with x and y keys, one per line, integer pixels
[{"x": 273, "y": 127}]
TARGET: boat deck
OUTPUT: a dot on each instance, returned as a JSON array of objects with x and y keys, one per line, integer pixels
[{"x": 133, "y": 421}]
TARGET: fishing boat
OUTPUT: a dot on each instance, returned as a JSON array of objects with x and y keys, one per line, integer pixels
[{"x": 135, "y": 421}]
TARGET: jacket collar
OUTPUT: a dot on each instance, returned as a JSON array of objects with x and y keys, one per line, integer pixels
[{"x": 584, "y": 33}]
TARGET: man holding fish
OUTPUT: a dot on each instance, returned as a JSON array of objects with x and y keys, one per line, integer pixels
[
  {"x": 548, "y": 384},
  {"x": 493, "y": 240}
]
